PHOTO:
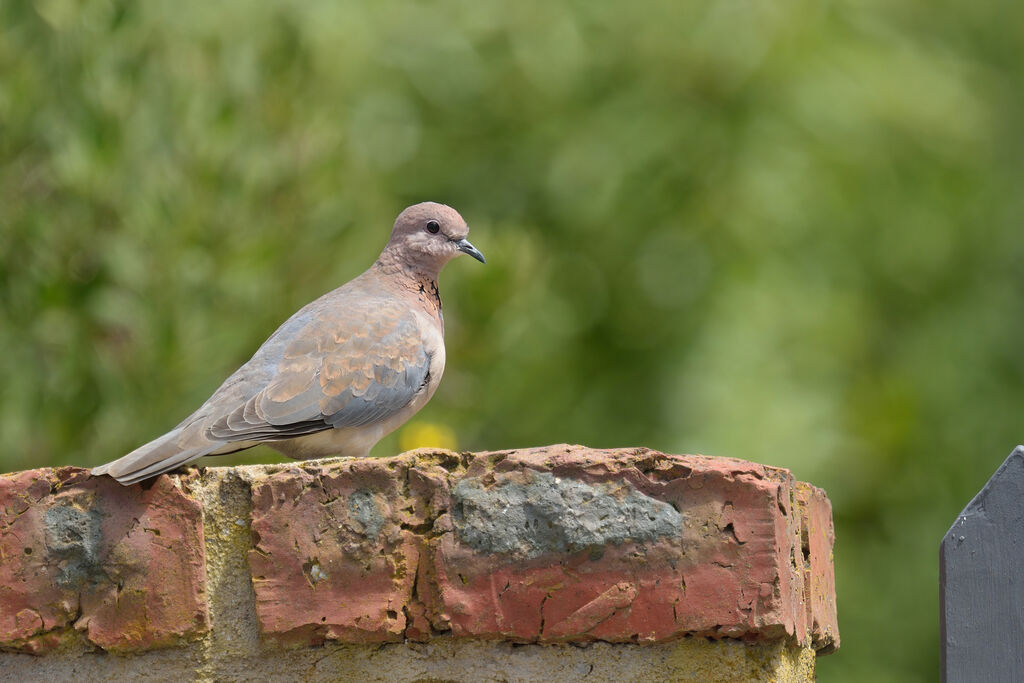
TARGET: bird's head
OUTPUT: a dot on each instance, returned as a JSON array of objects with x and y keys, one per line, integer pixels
[{"x": 428, "y": 235}]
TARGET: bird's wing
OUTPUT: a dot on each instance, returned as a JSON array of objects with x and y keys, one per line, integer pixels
[{"x": 342, "y": 367}]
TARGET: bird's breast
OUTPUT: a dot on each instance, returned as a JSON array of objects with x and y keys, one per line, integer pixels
[{"x": 432, "y": 333}]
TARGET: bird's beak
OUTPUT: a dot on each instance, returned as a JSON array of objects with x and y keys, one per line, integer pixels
[{"x": 466, "y": 248}]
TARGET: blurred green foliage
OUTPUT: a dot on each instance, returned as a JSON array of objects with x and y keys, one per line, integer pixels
[{"x": 787, "y": 232}]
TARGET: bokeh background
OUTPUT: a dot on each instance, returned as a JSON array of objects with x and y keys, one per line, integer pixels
[{"x": 782, "y": 231}]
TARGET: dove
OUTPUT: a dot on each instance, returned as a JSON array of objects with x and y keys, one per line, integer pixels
[{"x": 341, "y": 373}]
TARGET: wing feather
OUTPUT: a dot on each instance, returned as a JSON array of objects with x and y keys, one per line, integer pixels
[{"x": 329, "y": 372}]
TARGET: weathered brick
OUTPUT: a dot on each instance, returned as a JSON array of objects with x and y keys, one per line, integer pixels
[
  {"x": 124, "y": 566},
  {"x": 331, "y": 559},
  {"x": 621, "y": 546},
  {"x": 555, "y": 544},
  {"x": 817, "y": 537}
]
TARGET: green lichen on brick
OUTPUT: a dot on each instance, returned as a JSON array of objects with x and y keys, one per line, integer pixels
[
  {"x": 551, "y": 514},
  {"x": 73, "y": 534},
  {"x": 362, "y": 508}
]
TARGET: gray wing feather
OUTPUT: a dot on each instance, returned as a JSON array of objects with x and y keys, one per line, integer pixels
[
  {"x": 387, "y": 393},
  {"x": 328, "y": 375}
]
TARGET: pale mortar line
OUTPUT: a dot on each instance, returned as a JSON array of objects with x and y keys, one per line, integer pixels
[{"x": 225, "y": 494}]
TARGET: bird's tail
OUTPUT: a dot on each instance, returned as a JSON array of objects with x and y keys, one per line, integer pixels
[{"x": 172, "y": 450}]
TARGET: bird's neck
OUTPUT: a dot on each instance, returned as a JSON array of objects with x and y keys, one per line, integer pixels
[
  {"x": 420, "y": 279},
  {"x": 399, "y": 267}
]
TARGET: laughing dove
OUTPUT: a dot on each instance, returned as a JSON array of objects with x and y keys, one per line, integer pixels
[{"x": 340, "y": 374}]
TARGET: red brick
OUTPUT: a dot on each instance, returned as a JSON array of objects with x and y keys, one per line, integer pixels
[
  {"x": 125, "y": 566},
  {"x": 330, "y": 558},
  {"x": 726, "y": 570},
  {"x": 817, "y": 539}
]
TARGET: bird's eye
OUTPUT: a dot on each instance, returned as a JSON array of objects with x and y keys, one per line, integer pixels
[{"x": 433, "y": 227}]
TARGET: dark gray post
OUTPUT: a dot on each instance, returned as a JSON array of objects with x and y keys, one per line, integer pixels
[{"x": 981, "y": 582}]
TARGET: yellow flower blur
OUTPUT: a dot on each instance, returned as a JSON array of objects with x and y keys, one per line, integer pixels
[{"x": 419, "y": 434}]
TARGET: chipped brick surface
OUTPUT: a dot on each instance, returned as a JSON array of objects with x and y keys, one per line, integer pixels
[
  {"x": 817, "y": 537},
  {"x": 723, "y": 570},
  {"x": 554, "y": 544},
  {"x": 331, "y": 559},
  {"x": 124, "y": 567}
]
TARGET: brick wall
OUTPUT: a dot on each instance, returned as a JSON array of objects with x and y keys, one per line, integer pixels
[{"x": 216, "y": 571}]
